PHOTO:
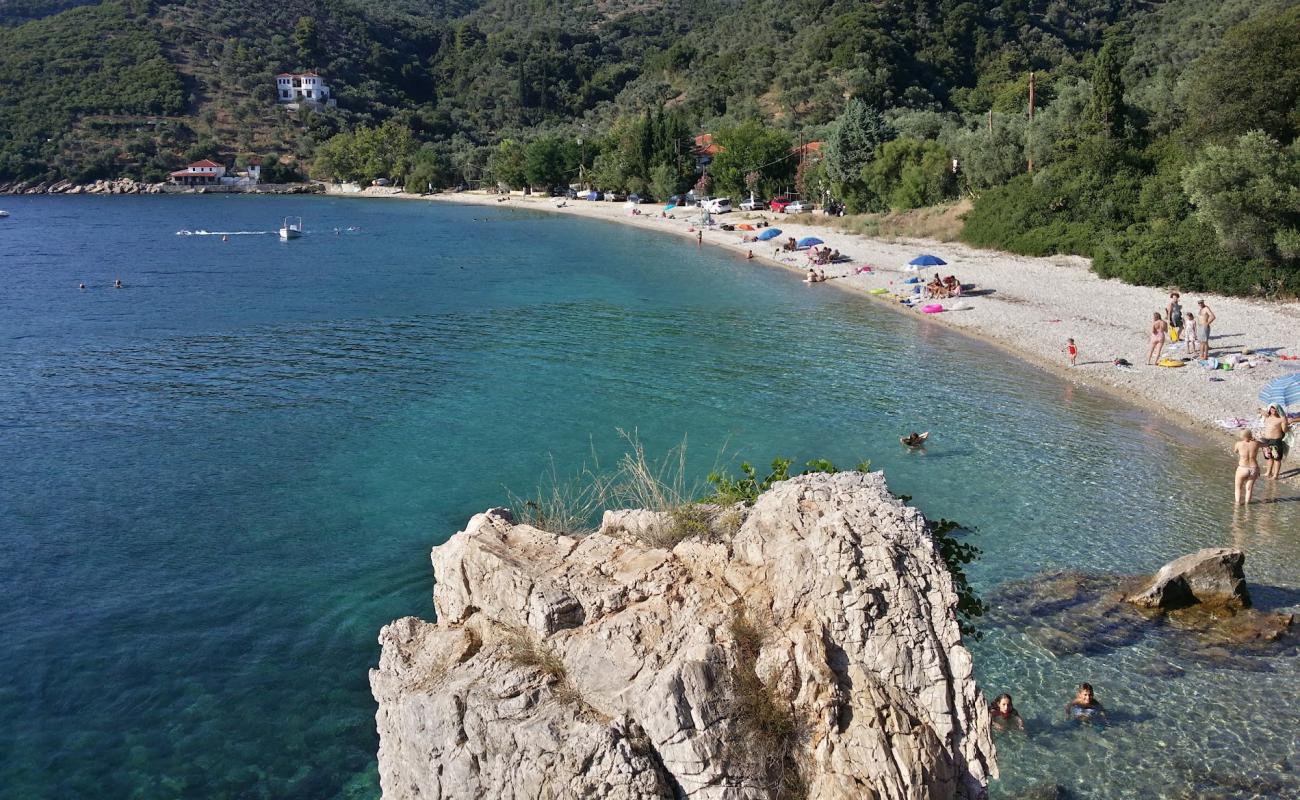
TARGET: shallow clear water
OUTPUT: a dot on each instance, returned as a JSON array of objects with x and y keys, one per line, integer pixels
[{"x": 219, "y": 482}]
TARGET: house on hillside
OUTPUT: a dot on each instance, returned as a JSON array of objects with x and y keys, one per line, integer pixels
[
  {"x": 200, "y": 173},
  {"x": 705, "y": 150},
  {"x": 293, "y": 88}
]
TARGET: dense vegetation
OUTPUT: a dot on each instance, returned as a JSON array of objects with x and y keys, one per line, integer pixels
[{"x": 1162, "y": 143}]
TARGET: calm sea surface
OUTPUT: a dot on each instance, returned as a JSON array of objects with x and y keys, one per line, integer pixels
[{"x": 219, "y": 482}]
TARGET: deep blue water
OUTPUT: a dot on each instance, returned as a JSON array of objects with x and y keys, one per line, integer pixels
[{"x": 219, "y": 482}]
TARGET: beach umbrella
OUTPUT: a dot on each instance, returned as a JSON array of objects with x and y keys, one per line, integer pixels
[
  {"x": 770, "y": 233},
  {"x": 1284, "y": 391},
  {"x": 670, "y": 207},
  {"x": 927, "y": 261},
  {"x": 808, "y": 241}
]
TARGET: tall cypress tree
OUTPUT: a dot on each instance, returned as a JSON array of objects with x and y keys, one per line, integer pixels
[{"x": 1106, "y": 112}]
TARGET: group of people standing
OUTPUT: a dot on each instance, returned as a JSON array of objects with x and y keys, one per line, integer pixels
[
  {"x": 1191, "y": 329},
  {"x": 1271, "y": 443}
]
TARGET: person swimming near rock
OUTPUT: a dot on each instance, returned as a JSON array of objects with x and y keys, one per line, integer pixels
[
  {"x": 1004, "y": 715},
  {"x": 915, "y": 439},
  {"x": 1085, "y": 707}
]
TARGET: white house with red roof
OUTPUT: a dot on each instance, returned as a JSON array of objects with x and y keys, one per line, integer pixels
[
  {"x": 200, "y": 173},
  {"x": 302, "y": 87}
]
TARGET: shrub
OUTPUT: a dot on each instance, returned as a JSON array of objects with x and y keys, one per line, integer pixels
[{"x": 770, "y": 727}]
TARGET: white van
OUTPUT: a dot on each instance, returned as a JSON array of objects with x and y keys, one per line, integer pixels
[{"x": 719, "y": 205}]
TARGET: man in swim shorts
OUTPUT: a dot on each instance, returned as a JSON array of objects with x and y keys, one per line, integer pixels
[
  {"x": 1204, "y": 318},
  {"x": 1247, "y": 451},
  {"x": 1271, "y": 439}
]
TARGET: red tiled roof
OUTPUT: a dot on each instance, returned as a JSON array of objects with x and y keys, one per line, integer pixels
[
  {"x": 189, "y": 173},
  {"x": 809, "y": 147},
  {"x": 704, "y": 145},
  {"x": 204, "y": 163}
]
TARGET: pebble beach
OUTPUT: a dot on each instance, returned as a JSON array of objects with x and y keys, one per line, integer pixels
[{"x": 1029, "y": 306}]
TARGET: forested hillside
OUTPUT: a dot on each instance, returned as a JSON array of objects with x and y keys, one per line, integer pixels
[{"x": 1162, "y": 140}]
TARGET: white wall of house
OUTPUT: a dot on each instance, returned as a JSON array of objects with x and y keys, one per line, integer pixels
[{"x": 297, "y": 88}]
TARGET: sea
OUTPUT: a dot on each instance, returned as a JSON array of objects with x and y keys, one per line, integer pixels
[{"x": 218, "y": 482}]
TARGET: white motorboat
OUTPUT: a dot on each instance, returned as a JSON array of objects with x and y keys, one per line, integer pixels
[
  {"x": 291, "y": 229},
  {"x": 3, "y": 213}
]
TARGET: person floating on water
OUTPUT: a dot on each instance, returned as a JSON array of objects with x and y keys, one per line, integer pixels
[
  {"x": 81, "y": 286},
  {"x": 1004, "y": 714},
  {"x": 915, "y": 439},
  {"x": 1085, "y": 707},
  {"x": 117, "y": 284}
]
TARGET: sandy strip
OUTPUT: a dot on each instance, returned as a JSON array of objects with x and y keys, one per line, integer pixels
[{"x": 1032, "y": 306}]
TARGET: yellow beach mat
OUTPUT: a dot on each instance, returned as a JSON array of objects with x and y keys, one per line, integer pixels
[
  {"x": 1169, "y": 362},
  {"x": 877, "y": 291}
]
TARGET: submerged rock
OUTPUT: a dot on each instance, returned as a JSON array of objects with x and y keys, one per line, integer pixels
[
  {"x": 1213, "y": 576},
  {"x": 805, "y": 647}
]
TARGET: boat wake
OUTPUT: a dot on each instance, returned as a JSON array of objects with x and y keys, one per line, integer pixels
[{"x": 224, "y": 233}]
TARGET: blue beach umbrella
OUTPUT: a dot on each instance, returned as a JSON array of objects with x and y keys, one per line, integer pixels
[
  {"x": 1284, "y": 391},
  {"x": 670, "y": 207},
  {"x": 927, "y": 261},
  {"x": 770, "y": 233},
  {"x": 808, "y": 241}
]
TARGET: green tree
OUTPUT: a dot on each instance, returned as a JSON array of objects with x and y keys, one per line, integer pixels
[
  {"x": 1249, "y": 192},
  {"x": 430, "y": 171},
  {"x": 551, "y": 161},
  {"x": 307, "y": 40},
  {"x": 664, "y": 182},
  {"x": 507, "y": 164},
  {"x": 852, "y": 141},
  {"x": 750, "y": 146},
  {"x": 1106, "y": 111},
  {"x": 1251, "y": 81},
  {"x": 909, "y": 174}
]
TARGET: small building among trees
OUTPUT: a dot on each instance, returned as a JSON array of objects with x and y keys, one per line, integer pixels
[
  {"x": 200, "y": 173},
  {"x": 302, "y": 87}
]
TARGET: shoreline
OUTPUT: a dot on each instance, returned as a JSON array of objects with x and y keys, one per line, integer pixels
[{"x": 1025, "y": 306}]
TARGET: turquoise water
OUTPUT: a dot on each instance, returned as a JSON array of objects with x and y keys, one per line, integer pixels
[{"x": 220, "y": 481}]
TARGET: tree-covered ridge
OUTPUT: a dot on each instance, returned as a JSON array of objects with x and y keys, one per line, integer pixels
[{"x": 93, "y": 60}]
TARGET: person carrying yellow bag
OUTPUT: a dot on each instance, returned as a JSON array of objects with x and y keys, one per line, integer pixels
[{"x": 1174, "y": 313}]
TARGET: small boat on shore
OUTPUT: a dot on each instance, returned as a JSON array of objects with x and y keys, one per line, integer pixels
[{"x": 291, "y": 229}]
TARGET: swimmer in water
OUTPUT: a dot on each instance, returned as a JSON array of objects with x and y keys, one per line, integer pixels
[
  {"x": 81, "y": 286},
  {"x": 1085, "y": 707},
  {"x": 225, "y": 238},
  {"x": 750, "y": 255},
  {"x": 117, "y": 284},
  {"x": 1004, "y": 714}
]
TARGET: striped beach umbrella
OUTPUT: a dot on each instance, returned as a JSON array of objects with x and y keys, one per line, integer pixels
[{"x": 1283, "y": 391}]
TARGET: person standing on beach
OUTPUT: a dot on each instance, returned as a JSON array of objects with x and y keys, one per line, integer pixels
[
  {"x": 1272, "y": 438},
  {"x": 1072, "y": 350},
  {"x": 1204, "y": 318},
  {"x": 1189, "y": 335},
  {"x": 699, "y": 237},
  {"x": 1247, "y": 451},
  {"x": 1158, "y": 327},
  {"x": 1174, "y": 311}
]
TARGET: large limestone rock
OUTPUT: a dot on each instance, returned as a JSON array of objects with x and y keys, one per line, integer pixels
[
  {"x": 805, "y": 647},
  {"x": 1213, "y": 576}
]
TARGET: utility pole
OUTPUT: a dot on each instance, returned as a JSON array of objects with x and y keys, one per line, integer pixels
[
  {"x": 990, "y": 120},
  {"x": 1031, "y": 122}
]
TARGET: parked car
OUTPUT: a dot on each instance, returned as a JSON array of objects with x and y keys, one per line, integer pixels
[
  {"x": 635, "y": 198},
  {"x": 462, "y": 186},
  {"x": 697, "y": 201},
  {"x": 615, "y": 197},
  {"x": 719, "y": 205},
  {"x": 592, "y": 195},
  {"x": 559, "y": 191},
  {"x": 571, "y": 193},
  {"x": 677, "y": 200},
  {"x": 753, "y": 204},
  {"x": 778, "y": 204},
  {"x": 797, "y": 207}
]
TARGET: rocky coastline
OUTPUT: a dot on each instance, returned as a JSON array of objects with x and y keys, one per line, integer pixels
[
  {"x": 130, "y": 186},
  {"x": 805, "y": 646}
]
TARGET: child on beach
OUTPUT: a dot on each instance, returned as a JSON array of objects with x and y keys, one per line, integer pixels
[
  {"x": 1189, "y": 335},
  {"x": 1072, "y": 350}
]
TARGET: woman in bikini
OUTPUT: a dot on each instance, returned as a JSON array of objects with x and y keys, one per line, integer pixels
[
  {"x": 1271, "y": 438},
  {"x": 1247, "y": 451},
  {"x": 1158, "y": 327}
]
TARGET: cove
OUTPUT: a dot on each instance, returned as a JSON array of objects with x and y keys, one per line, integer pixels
[{"x": 220, "y": 481}]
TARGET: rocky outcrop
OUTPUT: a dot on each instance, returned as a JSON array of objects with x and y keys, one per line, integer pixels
[
  {"x": 1213, "y": 576},
  {"x": 119, "y": 186},
  {"x": 807, "y": 646}
]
